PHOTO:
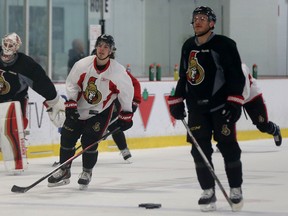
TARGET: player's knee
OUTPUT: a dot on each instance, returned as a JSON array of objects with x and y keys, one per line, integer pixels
[
  {"x": 207, "y": 149},
  {"x": 230, "y": 151},
  {"x": 67, "y": 142},
  {"x": 65, "y": 148},
  {"x": 92, "y": 151},
  {"x": 233, "y": 164}
]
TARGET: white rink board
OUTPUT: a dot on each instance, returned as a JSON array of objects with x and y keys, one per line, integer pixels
[{"x": 42, "y": 131}]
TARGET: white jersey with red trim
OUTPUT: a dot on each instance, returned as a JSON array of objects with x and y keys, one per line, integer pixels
[
  {"x": 96, "y": 90},
  {"x": 251, "y": 89}
]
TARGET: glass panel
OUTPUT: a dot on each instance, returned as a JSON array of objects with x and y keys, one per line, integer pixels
[
  {"x": 12, "y": 18},
  {"x": 69, "y": 23},
  {"x": 38, "y": 32},
  {"x": 3, "y": 18}
]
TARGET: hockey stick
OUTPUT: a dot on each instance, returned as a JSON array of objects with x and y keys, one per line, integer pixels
[
  {"x": 207, "y": 163},
  {"x": 18, "y": 189}
]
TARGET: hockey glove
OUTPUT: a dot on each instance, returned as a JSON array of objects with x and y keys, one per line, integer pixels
[
  {"x": 134, "y": 106},
  {"x": 232, "y": 111},
  {"x": 125, "y": 120},
  {"x": 55, "y": 109},
  {"x": 71, "y": 110},
  {"x": 177, "y": 107}
]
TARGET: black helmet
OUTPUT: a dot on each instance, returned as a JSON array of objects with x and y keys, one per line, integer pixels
[
  {"x": 204, "y": 10},
  {"x": 107, "y": 39}
]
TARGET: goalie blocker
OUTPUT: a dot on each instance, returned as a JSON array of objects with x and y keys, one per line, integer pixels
[{"x": 12, "y": 140}]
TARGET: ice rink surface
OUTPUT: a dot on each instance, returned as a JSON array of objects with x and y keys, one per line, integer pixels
[{"x": 165, "y": 176}]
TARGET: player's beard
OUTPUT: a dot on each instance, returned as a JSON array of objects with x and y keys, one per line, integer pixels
[{"x": 202, "y": 33}]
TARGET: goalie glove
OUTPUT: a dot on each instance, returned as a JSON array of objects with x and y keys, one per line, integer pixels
[
  {"x": 177, "y": 107},
  {"x": 125, "y": 120},
  {"x": 232, "y": 109},
  {"x": 55, "y": 109}
]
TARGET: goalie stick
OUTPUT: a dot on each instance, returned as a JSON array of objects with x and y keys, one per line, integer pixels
[
  {"x": 208, "y": 165},
  {"x": 18, "y": 189}
]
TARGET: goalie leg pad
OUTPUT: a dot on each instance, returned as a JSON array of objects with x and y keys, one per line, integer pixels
[{"x": 12, "y": 137}]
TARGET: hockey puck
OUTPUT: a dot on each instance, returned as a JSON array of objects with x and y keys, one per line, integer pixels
[{"x": 150, "y": 205}]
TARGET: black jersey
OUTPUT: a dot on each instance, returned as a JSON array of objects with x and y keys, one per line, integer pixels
[
  {"x": 209, "y": 73},
  {"x": 15, "y": 79}
]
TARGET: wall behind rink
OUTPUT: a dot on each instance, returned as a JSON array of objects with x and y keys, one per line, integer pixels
[{"x": 152, "y": 119}]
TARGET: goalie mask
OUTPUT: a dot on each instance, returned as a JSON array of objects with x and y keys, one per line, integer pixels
[{"x": 10, "y": 46}]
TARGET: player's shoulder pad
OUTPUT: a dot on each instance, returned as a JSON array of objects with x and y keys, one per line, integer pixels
[
  {"x": 189, "y": 41},
  {"x": 224, "y": 39}
]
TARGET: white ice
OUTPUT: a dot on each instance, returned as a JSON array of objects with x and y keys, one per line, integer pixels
[{"x": 165, "y": 176}]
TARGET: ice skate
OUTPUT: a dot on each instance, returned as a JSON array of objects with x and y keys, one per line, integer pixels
[
  {"x": 277, "y": 135},
  {"x": 207, "y": 201},
  {"x": 84, "y": 179},
  {"x": 56, "y": 163},
  {"x": 126, "y": 154},
  {"x": 59, "y": 178},
  {"x": 236, "y": 198}
]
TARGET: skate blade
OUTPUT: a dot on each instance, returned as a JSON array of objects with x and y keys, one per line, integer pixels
[
  {"x": 61, "y": 183},
  {"x": 83, "y": 187},
  {"x": 208, "y": 208},
  {"x": 127, "y": 161},
  {"x": 55, "y": 164},
  {"x": 238, "y": 206},
  {"x": 277, "y": 141},
  {"x": 127, "y": 157},
  {"x": 16, "y": 172}
]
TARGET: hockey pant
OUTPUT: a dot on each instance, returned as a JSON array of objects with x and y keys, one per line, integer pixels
[
  {"x": 90, "y": 131},
  {"x": 205, "y": 125},
  {"x": 257, "y": 111}
]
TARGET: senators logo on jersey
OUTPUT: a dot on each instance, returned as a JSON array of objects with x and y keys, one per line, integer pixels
[
  {"x": 91, "y": 94},
  {"x": 195, "y": 73},
  {"x": 225, "y": 130},
  {"x": 96, "y": 127},
  {"x": 4, "y": 85}
]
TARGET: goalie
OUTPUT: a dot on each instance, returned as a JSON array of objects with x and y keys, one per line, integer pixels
[{"x": 18, "y": 72}]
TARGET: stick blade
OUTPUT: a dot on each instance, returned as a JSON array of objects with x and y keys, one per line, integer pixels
[{"x": 17, "y": 189}]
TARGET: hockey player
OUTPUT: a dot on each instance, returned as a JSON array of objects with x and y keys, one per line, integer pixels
[
  {"x": 92, "y": 85},
  {"x": 119, "y": 137},
  {"x": 18, "y": 72},
  {"x": 255, "y": 106},
  {"x": 211, "y": 82}
]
